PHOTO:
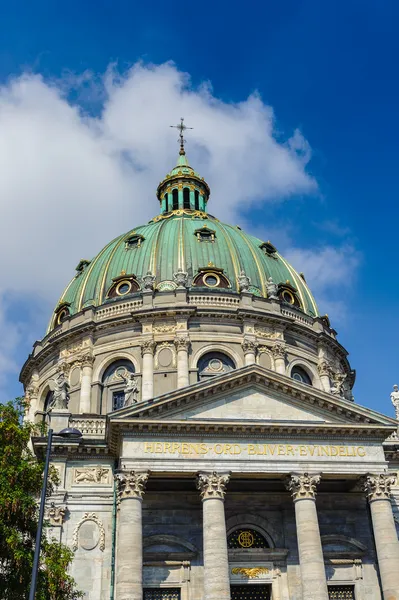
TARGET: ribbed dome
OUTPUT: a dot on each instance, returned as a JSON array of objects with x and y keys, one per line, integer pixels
[{"x": 187, "y": 240}]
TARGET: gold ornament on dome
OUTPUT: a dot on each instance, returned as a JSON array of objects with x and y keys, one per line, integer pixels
[
  {"x": 246, "y": 539},
  {"x": 250, "y": 572}
]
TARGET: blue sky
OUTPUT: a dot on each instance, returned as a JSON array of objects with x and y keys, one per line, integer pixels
[{"x": 326, "y": 69}]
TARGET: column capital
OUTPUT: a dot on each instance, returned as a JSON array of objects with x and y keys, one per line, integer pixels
[
  {"x": 182, "y": 343},
  {"x": 147, "y": 347},
  {"x": 278, "y": 349},
  {"x": 378, "y": 487},
  {"x": 131, "y": 484},
  {"x": 302, "y": 487},
  {"x": 212, "y": 485},
  {"x": 249, "y": 346}
]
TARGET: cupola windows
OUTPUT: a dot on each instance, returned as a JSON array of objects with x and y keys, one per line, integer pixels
[
  {"x": 134, "y": 241},
  {"x": 196, "y": 200},
  {"x": 62, "y": 312},
  {"x": 83, "y": 264},
  {"x": 175, "y": 197},
  {"x": 288, "y": 294},
  {"x": 269, "y": 249},
  {"x": 186, "y": 198},
  {"x": 205, "y": 234},
  {"x": 211, "y": 277},
  {"x": 123, "y": 286}
]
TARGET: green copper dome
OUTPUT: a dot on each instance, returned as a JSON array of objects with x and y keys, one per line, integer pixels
[{"x": 183, "y": 239}]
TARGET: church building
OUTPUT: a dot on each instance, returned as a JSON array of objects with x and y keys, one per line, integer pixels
[{"x": 222, "y": 454}]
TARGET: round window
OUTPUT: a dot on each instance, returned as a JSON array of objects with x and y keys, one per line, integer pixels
[
  {"x": 123, "y": 288},
  {"x": 211, "y": 280},
  {"x": 62, "y": 315},
  {"x": 215, "y": 364},
  {"x": 288, "y": 297}
]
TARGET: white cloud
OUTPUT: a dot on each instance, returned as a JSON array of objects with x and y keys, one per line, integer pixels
[
  {"x": 330, "y": 273},
  {"x": 71, "y": 181}
]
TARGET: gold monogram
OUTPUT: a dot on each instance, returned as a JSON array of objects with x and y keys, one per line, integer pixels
[{"x": 246, "y": 539}]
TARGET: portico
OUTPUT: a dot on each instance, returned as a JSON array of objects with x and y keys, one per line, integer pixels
[{"x": 269, "y": 477}]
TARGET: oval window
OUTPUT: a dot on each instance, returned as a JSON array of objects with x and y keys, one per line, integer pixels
[
  {"x": 211, "y": 280},
  {"x": 123, "y": 288}
]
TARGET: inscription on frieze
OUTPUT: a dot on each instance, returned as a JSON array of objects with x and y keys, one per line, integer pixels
[
  {"x": 267, "y": 449},
  {"x": 258, "y": 450}
]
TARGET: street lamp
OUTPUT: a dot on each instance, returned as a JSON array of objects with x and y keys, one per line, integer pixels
[{"x": 68, "y": 433}]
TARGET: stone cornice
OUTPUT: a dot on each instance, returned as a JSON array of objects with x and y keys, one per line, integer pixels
[
  {"x": 344, "y": 411},
  {"x": 73, "y": 450}
]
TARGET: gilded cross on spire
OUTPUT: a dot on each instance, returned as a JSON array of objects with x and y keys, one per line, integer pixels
[{"x": 181, "y": 127}]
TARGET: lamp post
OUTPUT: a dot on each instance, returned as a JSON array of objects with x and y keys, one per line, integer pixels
[{"x": 68, "y": 433}]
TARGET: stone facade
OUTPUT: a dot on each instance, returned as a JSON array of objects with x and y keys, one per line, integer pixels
[{"x": 222, "y": 453}]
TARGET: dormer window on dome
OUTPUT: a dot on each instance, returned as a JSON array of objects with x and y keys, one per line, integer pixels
[
  {"x": 134, "y": 241},
  {"x": 288, "y": 294},
  {"x": 211, "y": 277},
  {"x": 61, "y": 313},
  {"x": 205, "y": 234},
  {"x": 269, "y": 249},
  {"x": 123, "y": 285},
  {"x": 83, "y": 264}
]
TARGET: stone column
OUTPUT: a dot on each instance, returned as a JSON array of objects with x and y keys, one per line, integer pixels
[
  {"x": 278, "y": 351},
  {"x": 378, "y": 491},
  {"x": 313, "y": 576},
  {"x": 216, "y": 562},
  {"x": 129, "y": 549},
  {"x": 249, "y": 348},
  {"x": 182, "y": 345},
  {"x": 324, "y": 369},
  {"x": 85, "y": 384},
  {"x": 147, "y": 386}
]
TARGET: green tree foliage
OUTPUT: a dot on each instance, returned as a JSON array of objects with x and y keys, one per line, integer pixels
[{"x": 21, "y": 477}]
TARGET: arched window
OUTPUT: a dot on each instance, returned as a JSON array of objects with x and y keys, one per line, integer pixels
[
  {"x": 166, "y": 202},
  {"x": 196, "y": 200},
  {"x": 299, "y": 374},
  {"x": 175, "y": 196},
  {"x": 186, "y": 198},
  {"x": 214, "y": 363},
  {"x": 48, "y": 400},
  {"x": 114, "y": 383},
  {"x": 246, "y": 538}
]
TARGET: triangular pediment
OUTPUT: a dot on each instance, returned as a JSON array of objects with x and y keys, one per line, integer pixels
[{"x": 253, "y": 394}]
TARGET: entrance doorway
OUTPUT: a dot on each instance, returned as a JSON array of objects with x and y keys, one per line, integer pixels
[{"x": 250, "y": 592}]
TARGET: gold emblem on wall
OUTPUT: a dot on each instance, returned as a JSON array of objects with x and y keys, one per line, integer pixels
[
  {"x": 246, "y": 539},
  {"x": 250, "y": 572}
]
